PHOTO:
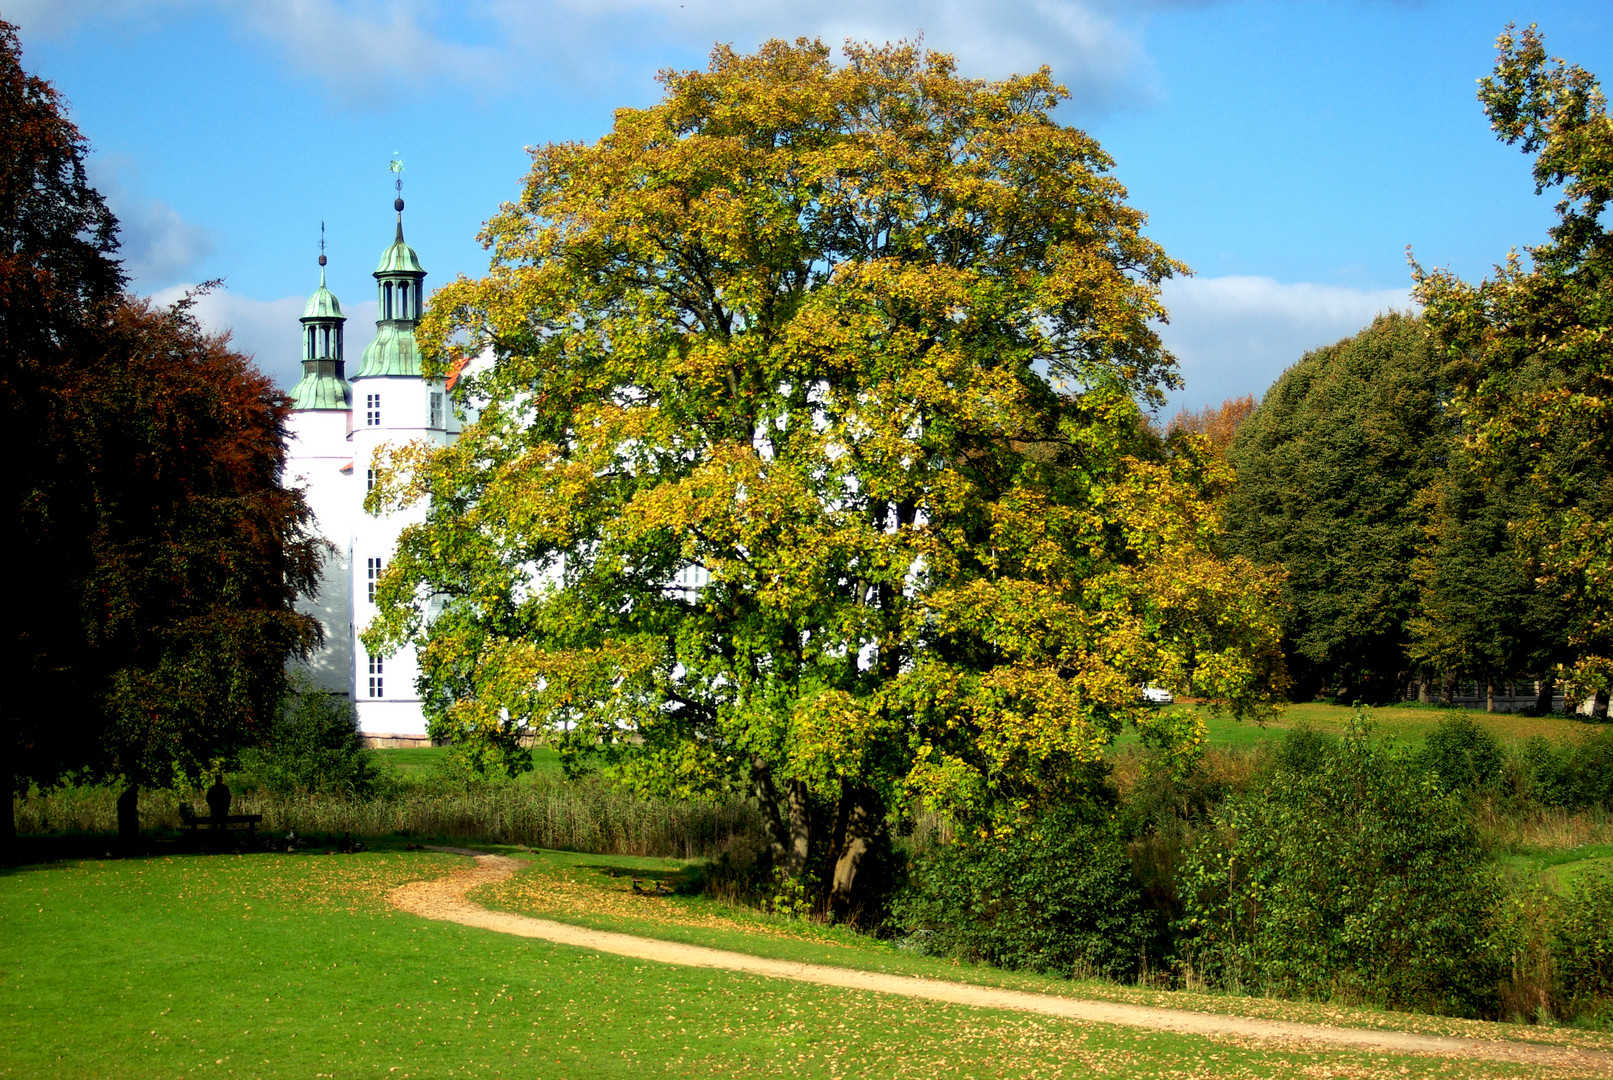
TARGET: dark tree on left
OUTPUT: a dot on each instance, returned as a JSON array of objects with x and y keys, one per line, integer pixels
[{"x": 154, "y": 556}]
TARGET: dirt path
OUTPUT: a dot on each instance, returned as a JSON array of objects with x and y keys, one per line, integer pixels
[{"x": 444, "y": 898}]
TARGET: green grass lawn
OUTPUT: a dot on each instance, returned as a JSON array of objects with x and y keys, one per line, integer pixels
[
  {"x": 417, "y": 761},
  {"x": 1557, "y": 869},
  {"x": 293, "y": 965},
  {"x": 1404, "y": 724}
]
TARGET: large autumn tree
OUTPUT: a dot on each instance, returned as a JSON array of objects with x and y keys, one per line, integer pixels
[
  {"x": 155, "y": 556},
  {"x": 1527, "y": 349},
  {"x": 809, "y": 460},
  {"x": 198, "y": 552},
  {"x": 59, "y": 281}
]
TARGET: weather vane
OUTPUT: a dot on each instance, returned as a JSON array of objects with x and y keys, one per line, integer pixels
[
  {"x": 321, "y": 243},
  {"x": 396, "y": 166}
]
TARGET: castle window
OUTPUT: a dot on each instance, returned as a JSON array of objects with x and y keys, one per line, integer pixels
[
  {"x": 310, "y": 343},
  {"x": 403, "y": 301},
  {"x": 372, "y": 569},
  {"x": 338, "y": 343},
  {"x": 376, "y": 676},
  {"x": 436, "y": 411},
  {"x": 372, "y": 410},
  {"x": 386, "y": 300},
  {"x": 324, "y": 335},
  {"x": 369, "y": 480}
]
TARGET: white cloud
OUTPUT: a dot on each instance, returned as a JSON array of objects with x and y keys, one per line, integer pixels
[
  {"x": 1100, "y": 59},
  {"x": 371, "y": 49},
  {"x": 268, "y": 330},
  {"x": 157, "y": 245},
  {"x": 1235, "y": 335},
  {"x": 367, "y": 49}
]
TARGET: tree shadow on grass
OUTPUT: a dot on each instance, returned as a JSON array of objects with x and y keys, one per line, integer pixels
[
  {"x": 677, "y": 880},
  {"x": 34, "y": 852}
]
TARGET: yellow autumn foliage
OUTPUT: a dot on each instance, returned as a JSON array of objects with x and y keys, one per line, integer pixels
[{"x": 810, "y": 457}]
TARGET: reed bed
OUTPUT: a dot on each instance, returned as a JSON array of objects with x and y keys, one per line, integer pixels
[
  {"x": 1509, "y": 827},
  {"x": 583, "y": 815}
]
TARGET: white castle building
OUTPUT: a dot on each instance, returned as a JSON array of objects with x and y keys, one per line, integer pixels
[{"x": 336, "y": 426}]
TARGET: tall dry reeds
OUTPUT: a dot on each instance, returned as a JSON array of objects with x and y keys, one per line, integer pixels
[
  {"x": 1508, "y": 826},
  {"x": 584, "y": 815}
]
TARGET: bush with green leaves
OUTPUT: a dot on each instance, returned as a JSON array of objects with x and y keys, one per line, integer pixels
[
  {"x": 1356, "y": 877},
  {"x": 314, "y": 746},
  {"x": 1575, "y": 775},
  {"x": 1054, "y": 894},
  {"x": 1582, "y": 948},
  {"x": 1306, "y": 749},
  {"x": 1462, "y": 755}
]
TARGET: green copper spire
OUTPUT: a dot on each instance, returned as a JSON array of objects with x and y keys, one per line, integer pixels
[
  {"x": 400, "y": 281},
  {"x": 324, "y": 378},
  {"x": 323, "y": 304}
]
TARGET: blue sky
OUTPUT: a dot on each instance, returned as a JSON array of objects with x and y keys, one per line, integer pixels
[{"x": 1288, "y": 150}]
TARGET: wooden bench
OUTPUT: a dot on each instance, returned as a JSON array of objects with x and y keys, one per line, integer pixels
[{"x": 191, "y": 823}]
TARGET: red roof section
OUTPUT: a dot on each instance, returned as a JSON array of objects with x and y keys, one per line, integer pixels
[{"x": 453, "y": 372}]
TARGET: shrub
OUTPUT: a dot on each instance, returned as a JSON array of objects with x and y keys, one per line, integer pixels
[
  {"x": 1544, "y": 772},
  {"x": 1591, "y": 769},
  {"x": 314, "y": 747},
  {"x": 1357, "y": 877},
  {"x": 1056, "y": 894},
  {"x": 1583, "y": 950},
  {"x": 1305, "y": 750},
  {"x": 1579, "y": 775},
  {"x": 1464, "y": 756}
]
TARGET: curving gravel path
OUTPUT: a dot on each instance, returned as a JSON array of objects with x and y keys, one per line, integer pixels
[{"x": 444, "y": 898}]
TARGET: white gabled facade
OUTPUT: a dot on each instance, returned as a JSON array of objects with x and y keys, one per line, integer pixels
[
  {"x": 388, "y": 410},
  {"x": 337, "y": 428}
]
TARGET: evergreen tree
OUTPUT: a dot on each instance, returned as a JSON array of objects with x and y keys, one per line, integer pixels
[
  {"x": 1330, "y": 468},
  {"x": 1482, "y": 611},
  {"x": 1526, "y": 349}
]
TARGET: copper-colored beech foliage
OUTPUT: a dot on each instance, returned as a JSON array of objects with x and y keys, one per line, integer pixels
[
  {"x": 154, "y": 556},
  {"x": 810, "y": 462},
  {"x": 1217, "y": 423},
  {"x": 198, "y": 552}
]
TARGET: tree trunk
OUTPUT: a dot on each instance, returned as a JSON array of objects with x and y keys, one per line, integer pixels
[
  {"x": 1544, "y": 692},
  {"x": 8, "y": 827},
  {"x": 863, "y": 820},
  {"x": 1425, "y": 688},
  {"x": 1489, "y": 693},
  {"x": 1599, "y": 710},
  {"x": 1447, "y": 688},
  {"x": 800, "y": 829},
  {"x": 129, "y": 814},
  {"x": 767, "y": 797}
]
